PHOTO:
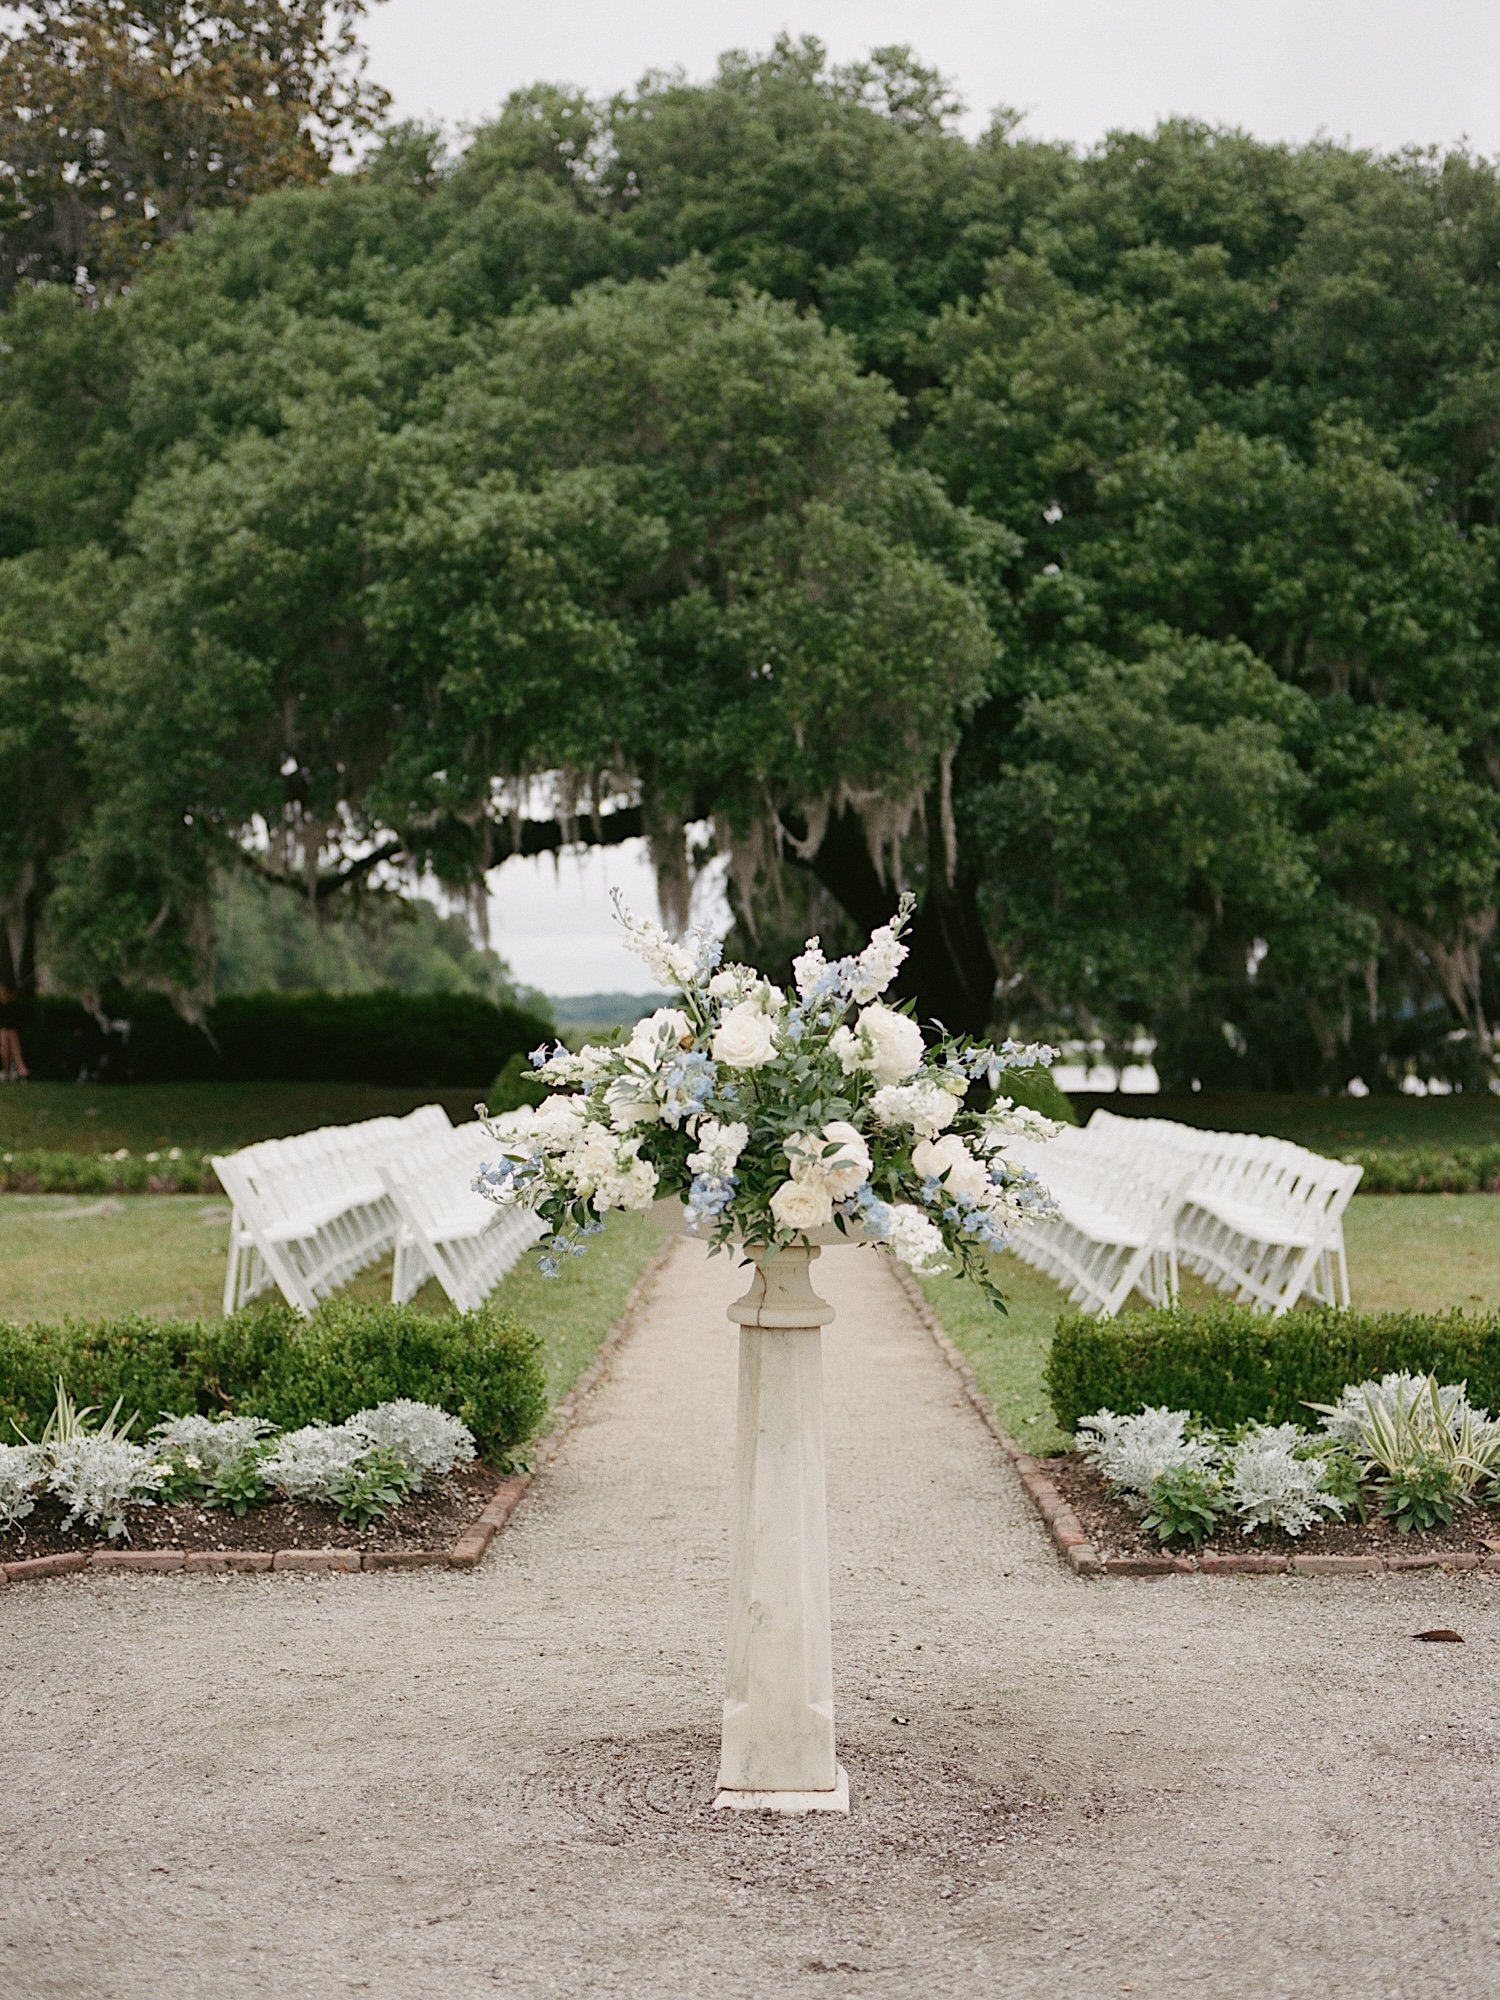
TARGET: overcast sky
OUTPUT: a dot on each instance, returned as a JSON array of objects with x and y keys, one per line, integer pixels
[{"x": 1382, "y": 73}]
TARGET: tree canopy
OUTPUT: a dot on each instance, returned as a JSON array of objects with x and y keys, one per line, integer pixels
[{"x": 1104, "y": 543}]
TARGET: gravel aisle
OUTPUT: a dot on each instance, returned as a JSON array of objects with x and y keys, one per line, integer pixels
[{"x": 426, "y": 1785}]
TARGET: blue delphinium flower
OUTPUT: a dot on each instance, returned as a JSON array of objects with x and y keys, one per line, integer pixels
[
  {"x": 872, "y": 1214},
  {"x": 708, "y": 1197}
]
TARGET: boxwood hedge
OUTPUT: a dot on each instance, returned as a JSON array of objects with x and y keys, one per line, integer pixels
[
  {"x": 1229, "y": 1365},
  {"x": 265, "y": 1361}
]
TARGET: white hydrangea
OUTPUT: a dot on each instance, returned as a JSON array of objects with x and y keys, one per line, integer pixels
[
  {"x": 719, "y": 1148},
  {"x": 915, "y": 1239},
  {"x": 213, "y": 1442},
  {"x": 924, "y": 1107},
  {"x": 428, "y": 1441},
  {"x": 1133, "y": 1451},
  {"x": 307, "y": 1464},
  {"x": 99, "y": 1477},
  {"x": 21, "y": 1472},
  {"x": 1271, "y": 1487},
  {"x": 608, "y": 1170},
  {"x": 886, "y": 1044}
]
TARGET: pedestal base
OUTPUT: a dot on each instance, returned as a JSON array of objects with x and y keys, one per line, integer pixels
[{"x": 836, "y": 1801}]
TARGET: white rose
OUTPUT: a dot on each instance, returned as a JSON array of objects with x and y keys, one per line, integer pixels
[
  {"x": 949, "y": 1160},
  {"x": 658, "y": 1034},
  {"x": 800, "y": 1205},
  {"x": 745, "y": 1038},
  {"x": 890, "y": 1044},
  {"x": 849, "y": 1167}
]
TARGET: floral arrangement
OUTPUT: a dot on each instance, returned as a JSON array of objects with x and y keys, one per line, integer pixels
[{"x": 773, "y": 1117}]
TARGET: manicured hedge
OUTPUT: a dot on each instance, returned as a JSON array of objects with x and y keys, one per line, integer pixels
[
  {"x": 265, "y": 1361},
  {"x": 1430, "y": 1170},
  {"x": 39, "y": 1170},
  {"x": 424, "y": 1041},
  {"x": 1229, "y": 1365}
]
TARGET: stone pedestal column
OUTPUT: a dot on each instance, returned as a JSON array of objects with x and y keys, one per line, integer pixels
[{"x": 778, "y": 1745}]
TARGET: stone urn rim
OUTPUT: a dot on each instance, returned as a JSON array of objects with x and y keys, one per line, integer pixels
[{"x": 666, "y": 1211}]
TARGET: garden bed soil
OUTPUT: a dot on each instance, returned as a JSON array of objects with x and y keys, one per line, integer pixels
[
  {"x": 431, "y": 1520},
  {"x": 1115, "y": 1531}
]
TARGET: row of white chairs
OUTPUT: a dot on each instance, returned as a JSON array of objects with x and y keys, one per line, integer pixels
[
  {"x": 1138, "y": 1198},
  {"x": 445, "y": 1230},
  {"x": 312, "y": 1211}
]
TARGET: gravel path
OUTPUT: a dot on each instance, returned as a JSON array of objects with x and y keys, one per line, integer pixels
[{"x": 429, "y": 1784}]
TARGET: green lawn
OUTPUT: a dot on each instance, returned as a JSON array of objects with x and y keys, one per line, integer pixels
[
  {"x": 164, "y": 1255},
  {"x": 1423, "y": 1250},
  {"x": 216, "y": 1117},
  {"x": 1327, "y": 1124}
]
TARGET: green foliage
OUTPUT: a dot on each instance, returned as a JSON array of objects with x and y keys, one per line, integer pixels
[
  {"x": 422, "y": 1040},
  {"x": 1230, "y": 1366},
  {"x": 371, "y": 1487},
  {"x": 121, "y": 123},
  {"x": 238, "y": 1486},
  {"x": 270, "y": 939},
  {"x": 1422, "y": 1494},
  {"x": 730, "y": 448},
  {"x": 1184, "y": 1504},
  {"x": 1038, "y": 1090},
  {"x": 514, "y": 1087},
  {"x": 481, "y": 1367}
]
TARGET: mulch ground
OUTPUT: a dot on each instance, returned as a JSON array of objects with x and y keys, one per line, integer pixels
[
  {"x": 1115, "y": 1531},
  {"x": 434, "y": 1519}
]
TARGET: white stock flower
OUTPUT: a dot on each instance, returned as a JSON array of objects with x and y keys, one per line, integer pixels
[
  {"x": 876, "y": 966},
  {"x": 889, "y": 1044},
  {"x": 1005, "y": 1120},
  {"x": 916, "y": 1240},
  {"x": 809, "y": 968},
  {"x": 745, "y": 1038},
  {"x": 802, "y": 1205},
  {"x": 719, "y": 1147},
  {"x": 840, "y": 1172},
  {"x": 949, "y": 1160},
  {"x": 555, "y": 1124},
  {"x": 925, "y": 1107}
]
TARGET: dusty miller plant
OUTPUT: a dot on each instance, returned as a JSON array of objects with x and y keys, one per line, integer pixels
[{"x": 424, "y": 1439}]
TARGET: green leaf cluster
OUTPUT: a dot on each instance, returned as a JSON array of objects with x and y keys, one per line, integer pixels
[
  {"x": 482, "y": 1367},
  {"x": 1229, "y": 1366}
]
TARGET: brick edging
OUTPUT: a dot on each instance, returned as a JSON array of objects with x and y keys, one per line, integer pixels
[
  {"x": 463, "y": 1555},
  {"x": 1067, "y": 1531}
]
